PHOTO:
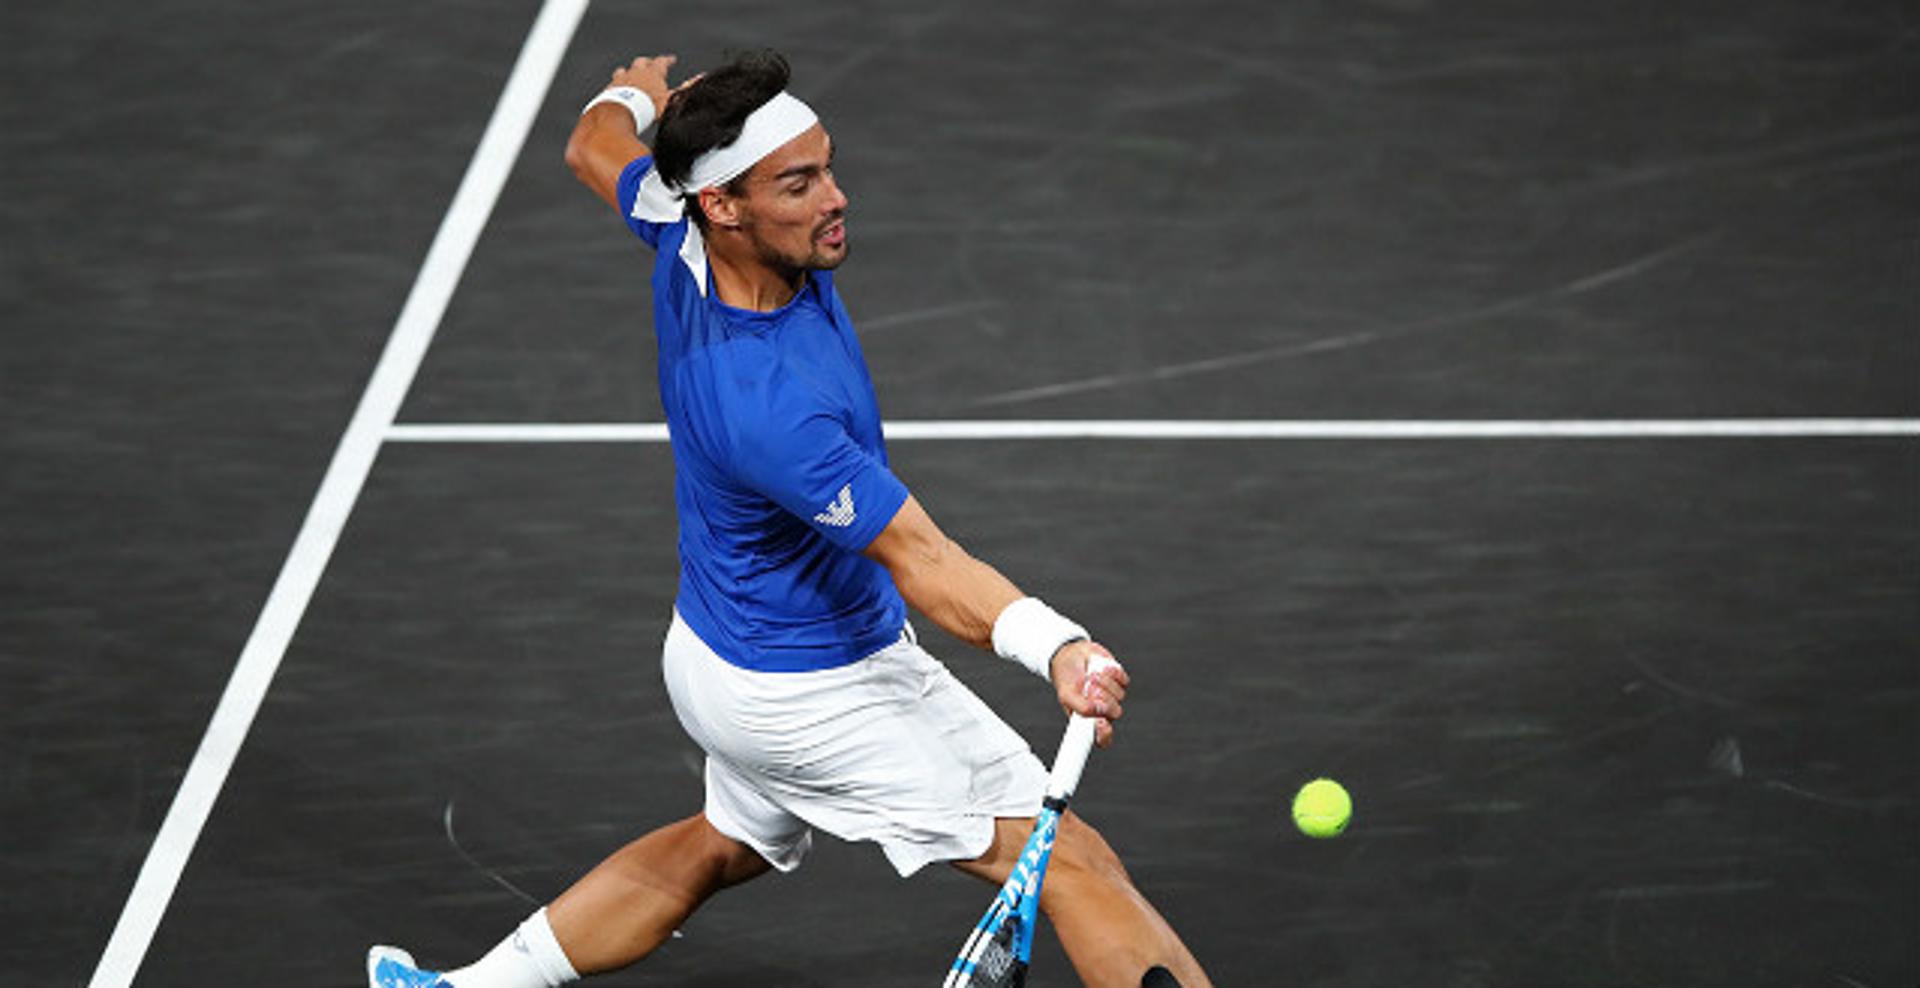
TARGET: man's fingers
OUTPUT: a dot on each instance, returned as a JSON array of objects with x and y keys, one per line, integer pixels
[
  {"x": 1102, "y": 685},
  {"x": 655, "y": 66},
  {"x": 1106, "y": 677},
  {"x": 1098, "y": 702}
]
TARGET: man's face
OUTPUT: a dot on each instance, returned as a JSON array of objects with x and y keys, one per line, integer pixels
[{"x": 793, "y": 210}]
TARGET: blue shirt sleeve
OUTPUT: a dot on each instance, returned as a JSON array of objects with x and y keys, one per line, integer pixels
[
  {"x": 791, "y": 447},
  {"x": 628, "y": 190}
]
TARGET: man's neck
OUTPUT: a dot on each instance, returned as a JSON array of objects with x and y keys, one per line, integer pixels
[{"x": 750, "y": 283}]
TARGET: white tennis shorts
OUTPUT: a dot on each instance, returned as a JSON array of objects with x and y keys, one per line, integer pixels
[{"x": 891, "y": 749}]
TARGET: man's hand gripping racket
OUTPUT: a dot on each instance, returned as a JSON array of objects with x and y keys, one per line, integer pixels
[{"x": 996, "y": 953}]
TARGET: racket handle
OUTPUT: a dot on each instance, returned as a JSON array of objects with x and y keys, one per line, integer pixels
[
  {"x": 1067, "y": 765},
  {"x": 1075, "y": 746}
]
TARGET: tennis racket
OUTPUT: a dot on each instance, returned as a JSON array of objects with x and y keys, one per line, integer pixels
[{"x": 996, "y": 954}]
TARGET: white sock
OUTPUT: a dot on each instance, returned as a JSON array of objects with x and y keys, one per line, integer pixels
[{"x": 529, "y": 957}]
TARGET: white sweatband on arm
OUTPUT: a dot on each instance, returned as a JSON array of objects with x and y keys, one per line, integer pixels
[
  {"x": 1029, "y": 632},
  {"x": 637, "y": 103}
]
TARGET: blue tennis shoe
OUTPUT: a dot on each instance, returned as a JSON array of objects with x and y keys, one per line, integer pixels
[{"x": 391, "y": 967}]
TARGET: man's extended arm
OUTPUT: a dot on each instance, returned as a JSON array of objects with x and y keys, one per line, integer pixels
[
  {"x": 964, "y": 596},
  {"x": 604, "y": 141}
]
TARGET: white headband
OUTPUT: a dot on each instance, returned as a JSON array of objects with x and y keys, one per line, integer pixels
[{"x": 779, "y": 120}]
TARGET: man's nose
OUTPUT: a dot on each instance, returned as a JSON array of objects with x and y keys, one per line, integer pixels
[{"x": 836, "y": 198}]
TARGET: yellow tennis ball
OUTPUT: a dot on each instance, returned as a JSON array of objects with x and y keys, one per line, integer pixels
[{"x": 1322, "y": 808}]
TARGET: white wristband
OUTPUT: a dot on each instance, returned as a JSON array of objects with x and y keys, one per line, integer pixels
[
  {"x": 637, "y": 103},
  {"x": 1029, "y": 632}
]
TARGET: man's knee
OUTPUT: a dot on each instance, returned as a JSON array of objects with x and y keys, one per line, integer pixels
[{"x": 731, "y": 861}]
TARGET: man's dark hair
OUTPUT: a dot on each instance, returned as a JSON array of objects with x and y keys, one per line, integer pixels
[{"x": 711, "y": 113}]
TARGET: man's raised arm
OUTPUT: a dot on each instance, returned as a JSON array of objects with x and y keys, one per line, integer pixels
[{"x": 607, "y": 138}]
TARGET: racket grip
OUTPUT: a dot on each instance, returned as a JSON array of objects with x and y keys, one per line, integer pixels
[
  {"x": 1075, "y": 746},
  {"x": 1067, "y": 765}
]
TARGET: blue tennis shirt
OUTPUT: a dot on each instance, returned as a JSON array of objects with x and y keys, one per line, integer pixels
[{"x": 780, "y": 470}]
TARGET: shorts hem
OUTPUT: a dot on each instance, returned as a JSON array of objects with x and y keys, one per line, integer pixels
[
  {"x": 784, "y": 858},
  {"x": 908, "y": 858}
]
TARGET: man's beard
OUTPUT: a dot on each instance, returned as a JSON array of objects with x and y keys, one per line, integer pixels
[
  {"x": 815, "y": 259},
  {"x": 818, "y": 261}
]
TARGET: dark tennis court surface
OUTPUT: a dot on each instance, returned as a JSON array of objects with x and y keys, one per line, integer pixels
[{"x": 1632, "y": 711}]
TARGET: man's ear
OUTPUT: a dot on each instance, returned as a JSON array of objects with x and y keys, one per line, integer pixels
[{"x": 722, "y": 209}]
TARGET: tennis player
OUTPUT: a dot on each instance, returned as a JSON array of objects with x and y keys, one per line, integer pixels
[{"x": 790, "y": 660}]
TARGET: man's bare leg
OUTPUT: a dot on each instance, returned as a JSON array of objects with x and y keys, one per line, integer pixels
[
  {"x": 1110, "y": 931},
  {"x": 634, "y": 900}
]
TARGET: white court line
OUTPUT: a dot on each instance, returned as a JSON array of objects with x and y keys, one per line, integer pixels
[
  {"x": 654, "y": 432},
  {"x": 352, "y": 460}
]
